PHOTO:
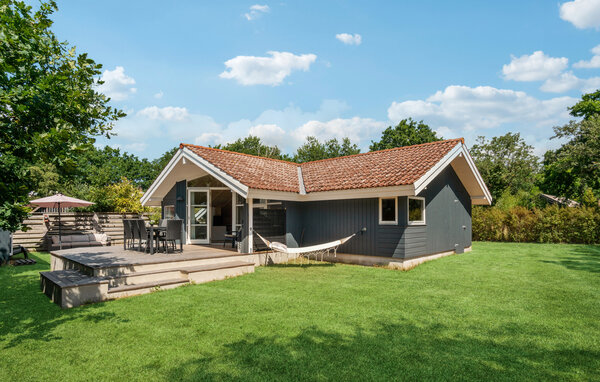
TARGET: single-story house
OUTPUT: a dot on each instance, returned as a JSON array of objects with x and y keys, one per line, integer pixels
[{"x": 414, "y": 201}]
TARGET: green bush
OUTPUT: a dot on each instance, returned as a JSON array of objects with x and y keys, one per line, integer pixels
[{"x": 551, "y": 224}]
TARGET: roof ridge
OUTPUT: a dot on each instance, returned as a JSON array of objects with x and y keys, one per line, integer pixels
[
  {"x": 385, "y": 150},
  {"x": 182, "y": 145}
]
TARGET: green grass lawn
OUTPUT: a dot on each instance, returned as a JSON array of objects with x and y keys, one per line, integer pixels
[{"x": 501, "y": 312}]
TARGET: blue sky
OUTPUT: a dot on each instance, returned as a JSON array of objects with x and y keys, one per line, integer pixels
[{"x": 211, "y": 72}]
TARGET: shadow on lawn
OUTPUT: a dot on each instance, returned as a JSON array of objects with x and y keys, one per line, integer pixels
[
  {"x": 27, "y": 314},
  {"x": 580, "y": 258},
  {"x": 389, "y": 352}
]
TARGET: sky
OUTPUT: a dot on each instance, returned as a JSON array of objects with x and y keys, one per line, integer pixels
[{"x": 210, "y": 72}]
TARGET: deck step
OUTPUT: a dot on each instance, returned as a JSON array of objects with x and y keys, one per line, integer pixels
[
  {"x": 143, "y": 288},
  {"x": 168, "y": 279}
]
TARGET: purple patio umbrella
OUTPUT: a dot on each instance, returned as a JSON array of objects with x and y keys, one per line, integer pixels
[{"x": 60, "y": 201}]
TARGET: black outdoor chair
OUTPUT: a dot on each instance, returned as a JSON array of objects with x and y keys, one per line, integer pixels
[
  {"x": 173, "y": 234},
  {"x": 128, "y": 238},
  {"x": 234, "y": 236},
  {"x": 6, "y": 244},
  {"x": 143, "y": 234}
]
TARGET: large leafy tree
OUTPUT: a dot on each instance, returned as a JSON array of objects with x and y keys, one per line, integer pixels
[
  {"x": 313, "y": 149},
  {"x": 405, "y": 133},
  {"x": 49, "y": 108},
  {"x": 588, "y": 107},
  {"x": 506, "y": 163},
  {"x": 574, "y": 168},
  {"x": 254, "y": 146}
]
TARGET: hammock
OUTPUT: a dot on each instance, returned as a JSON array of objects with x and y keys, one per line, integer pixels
[{"x": 316, "y": 250}]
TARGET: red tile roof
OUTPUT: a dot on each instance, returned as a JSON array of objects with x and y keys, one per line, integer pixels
[
  {"x": 392, "y": 167},
  {"x": 252, "y": 171}
]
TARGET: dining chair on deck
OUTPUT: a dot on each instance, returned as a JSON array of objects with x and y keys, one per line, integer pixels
[
  {"x": 128, "y": 239},
  {"x": 173, "y": 233},
  {"x": 142, "y": 231}
]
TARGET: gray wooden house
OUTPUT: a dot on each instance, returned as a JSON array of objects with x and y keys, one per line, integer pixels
[{"x": 415, "y": 201}]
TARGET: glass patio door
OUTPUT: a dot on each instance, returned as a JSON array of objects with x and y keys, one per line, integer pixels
[{"x": 198, "y": 216}]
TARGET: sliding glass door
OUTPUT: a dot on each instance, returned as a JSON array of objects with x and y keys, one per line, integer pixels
[{"x": 198, "y": 215}]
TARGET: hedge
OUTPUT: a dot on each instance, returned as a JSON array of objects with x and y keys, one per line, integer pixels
[{"x": 551, "y": 224}]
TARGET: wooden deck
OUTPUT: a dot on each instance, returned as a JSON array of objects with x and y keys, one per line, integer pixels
[{"x": 116, "y": 256}]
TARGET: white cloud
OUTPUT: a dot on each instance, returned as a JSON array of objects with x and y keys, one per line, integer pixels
[
  {"x": 117, "y": 85},
  {"x": 562, "y": 83},
  {"x": 349, "y": 39},
  {"x": 256, "y": 11},
  {"x": 168, "y": 113},
  {"x": 252, "y": 70},
  {"x": 359, "y": 130},
  {"x": 534, "y": 67},
  {"x": 462, "y": 111},
  {"x": 593, "y": 63},
  {"x": 269, "y": 133},
  {"x": 209, "y": 139},
  {"x": 581, "y": 13},
  {"x": 159, "y": 95}
]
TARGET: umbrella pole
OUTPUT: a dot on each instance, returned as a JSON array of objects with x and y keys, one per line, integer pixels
[{"x": 59, "y": 230}]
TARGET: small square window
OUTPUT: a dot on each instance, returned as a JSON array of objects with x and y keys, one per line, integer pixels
[
  {"x": 388, "y": 211},
  {"x": 169, "y": 212},
  {"x": 416, "y": 210}
]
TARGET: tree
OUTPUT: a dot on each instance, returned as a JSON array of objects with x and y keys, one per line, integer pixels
[
  {"x": 312, "y": 149},
  {"x": 49, "y": 108},
  {"x": 254, "y": 146},
  {"x": 588, "y": 106},
  {"x": 575, "y": 166},
  {"x": 405, "y": 133},
  {"x": 506, "y": 163}
]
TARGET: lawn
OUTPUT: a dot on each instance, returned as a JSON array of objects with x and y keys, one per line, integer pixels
[{"x": 501, "y": 312}]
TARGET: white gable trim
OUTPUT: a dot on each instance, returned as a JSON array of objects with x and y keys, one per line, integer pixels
[
  {"x": 161, "y": 177},
  {"x": 430, "y": 175},
  {"x": 185, "y": 153},
  {"x": 213, "y": 170}
]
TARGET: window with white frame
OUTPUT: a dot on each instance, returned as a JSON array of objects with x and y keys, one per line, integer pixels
[
  {"x": 169, "y": 212},
  {"x": 388, "y": 210},
  {"x": 239, "y": 211},
  {"x": 416, "y": 210}
]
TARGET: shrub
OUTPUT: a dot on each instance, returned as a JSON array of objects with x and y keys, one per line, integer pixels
[{"x": 551, "y": 224}]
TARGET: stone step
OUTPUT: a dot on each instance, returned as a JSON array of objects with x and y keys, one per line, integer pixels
[{"x": 143, "y": 288}]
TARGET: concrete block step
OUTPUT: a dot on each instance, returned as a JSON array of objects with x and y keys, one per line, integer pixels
[
  {"x": 211, "y": 272},
  {"x": 144, "y": 277}
]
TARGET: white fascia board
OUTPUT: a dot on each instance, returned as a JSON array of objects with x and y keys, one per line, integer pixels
[
  {"x": 161, "y": 177},
  {"x": 213, "y": 170},
  {"x": 445, "y": 161},
  {"x": 363, "y": 193},
  {"x": 423, "y": 181},
  {"x": 478, "y": 176}
]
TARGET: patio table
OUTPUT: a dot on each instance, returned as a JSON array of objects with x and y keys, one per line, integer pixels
[{"x": 152, "y": 229}]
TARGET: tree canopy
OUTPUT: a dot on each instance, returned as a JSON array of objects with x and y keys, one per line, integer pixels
[
  {"x": 506, "y": 163},
  {"x": 574, "y": 167},
  {"x": 254, "y": 146},
  {"x": 312, "y": 149},
  {"x": 405, "y": 133},
  {"x": 588, "y": 106},
  {"x": 50, "y": 110}
]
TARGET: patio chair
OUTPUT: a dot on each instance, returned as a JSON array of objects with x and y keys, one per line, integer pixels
[
  {"x": 234, "y": 236},
  {"x": 140, "y": 232},
  {"x": 128, "y": 238},
  {"x": 173, "y": 233}
]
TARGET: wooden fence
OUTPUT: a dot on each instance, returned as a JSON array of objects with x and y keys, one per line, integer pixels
[{"x": 36, "y": 238}]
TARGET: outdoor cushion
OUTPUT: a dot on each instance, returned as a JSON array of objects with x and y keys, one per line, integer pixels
[
  {"x": 99, "y": 237},
  {"x": 54, "y": 239},
  {"x": 79, "y": 238}
]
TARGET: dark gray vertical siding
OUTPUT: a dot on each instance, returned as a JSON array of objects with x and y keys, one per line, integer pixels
[
  {"x": 180, "y": 199},
  {"x": 448, "y": 209},
  {"x": 168, "y": 200}
]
